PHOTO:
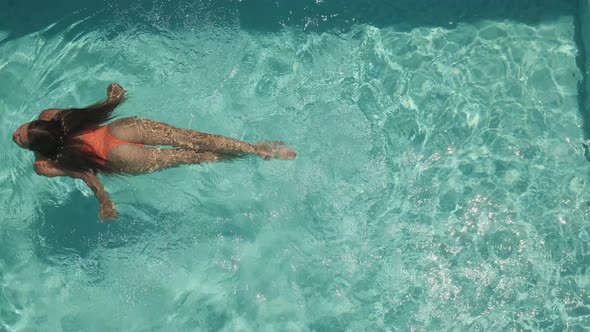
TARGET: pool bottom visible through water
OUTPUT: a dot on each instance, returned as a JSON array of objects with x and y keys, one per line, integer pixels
[{"x": 440, "y": 181}]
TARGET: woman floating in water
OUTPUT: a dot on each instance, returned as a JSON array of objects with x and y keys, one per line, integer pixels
[{"x": 77, "y": 143}]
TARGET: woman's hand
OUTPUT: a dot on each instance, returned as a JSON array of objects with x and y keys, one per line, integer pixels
[
  {"x": 115, "y": 92},
  {"x": 108, "y": 211}
]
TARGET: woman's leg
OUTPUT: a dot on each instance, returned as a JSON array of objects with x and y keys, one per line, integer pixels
[
  {"x": 151, "y": 132},
  {"x": 133, "y": 159}
]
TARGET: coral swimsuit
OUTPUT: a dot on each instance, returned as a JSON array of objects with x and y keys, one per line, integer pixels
[{"x": 100, "y": 142}]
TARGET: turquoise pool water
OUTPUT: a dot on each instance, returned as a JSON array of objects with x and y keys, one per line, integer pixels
[{"x": 441, "y": 182}]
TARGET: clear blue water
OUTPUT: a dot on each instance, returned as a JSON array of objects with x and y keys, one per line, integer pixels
[{"x": 441, "y": 182}]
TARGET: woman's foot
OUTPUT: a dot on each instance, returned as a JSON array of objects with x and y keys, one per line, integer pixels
[
  {"x": 275, "y": 149},
  {"x": 115, "y": 92}
]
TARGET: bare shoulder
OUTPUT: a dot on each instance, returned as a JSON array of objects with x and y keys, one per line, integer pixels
[
  {"x": 49, "y": 114},
  {"x": 50, "y": 169},
  {"x": 41, "y": 164}
]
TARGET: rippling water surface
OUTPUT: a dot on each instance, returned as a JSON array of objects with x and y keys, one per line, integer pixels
[{"x": 441, "y": 181}]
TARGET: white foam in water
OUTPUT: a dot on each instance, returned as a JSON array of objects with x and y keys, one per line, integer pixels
[{"x": 440, "y": 181}]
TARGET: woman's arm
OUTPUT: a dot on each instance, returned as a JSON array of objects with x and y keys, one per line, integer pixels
[
  {"x": 107, "y": 208},
  {"x": 114, "y": 92},
  {"x": 49, "y": 114}
]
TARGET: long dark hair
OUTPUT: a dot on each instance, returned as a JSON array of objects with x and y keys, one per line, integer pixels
[{"x": 56, "y": 139}]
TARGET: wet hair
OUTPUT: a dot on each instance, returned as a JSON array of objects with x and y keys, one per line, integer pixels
[{"x": 56, "y": 139}]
